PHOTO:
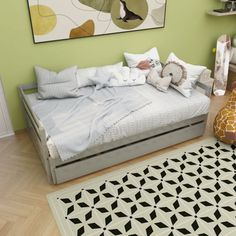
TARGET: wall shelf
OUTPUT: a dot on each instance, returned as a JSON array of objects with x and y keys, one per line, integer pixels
[{"x": 214, "y": 13}]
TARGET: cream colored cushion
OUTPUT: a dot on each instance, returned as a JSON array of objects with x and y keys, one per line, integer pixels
[{"x": 162, "y": 84}]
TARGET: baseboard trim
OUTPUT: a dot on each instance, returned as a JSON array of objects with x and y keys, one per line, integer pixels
[{"x": 7, "y": 135}]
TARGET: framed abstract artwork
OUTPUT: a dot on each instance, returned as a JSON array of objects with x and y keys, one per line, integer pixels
[{"x": 68, "y": 19}]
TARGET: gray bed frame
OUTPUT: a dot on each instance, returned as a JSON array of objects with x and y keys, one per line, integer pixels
[{"x": 109, "y": 154}]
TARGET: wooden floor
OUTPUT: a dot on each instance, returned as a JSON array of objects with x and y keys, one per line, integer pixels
[{"x": 23, "y": 187}]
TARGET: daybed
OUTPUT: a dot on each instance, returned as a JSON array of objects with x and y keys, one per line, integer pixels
[{"x": 166, "y": 125}]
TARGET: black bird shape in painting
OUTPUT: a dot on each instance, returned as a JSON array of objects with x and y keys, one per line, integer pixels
[{"x": 126, "y": 14}]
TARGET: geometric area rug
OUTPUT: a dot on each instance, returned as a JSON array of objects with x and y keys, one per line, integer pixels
[{"x": 189, "y": 191}]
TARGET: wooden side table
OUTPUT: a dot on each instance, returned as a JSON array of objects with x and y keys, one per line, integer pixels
[{"x": 231, "y": 76}]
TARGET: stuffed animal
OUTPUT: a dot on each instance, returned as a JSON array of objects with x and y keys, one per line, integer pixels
[
  {"x": 225, "y": 122},
  {"x": 177, "y": 72}
]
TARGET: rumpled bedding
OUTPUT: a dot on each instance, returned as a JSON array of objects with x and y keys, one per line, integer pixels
[{"x": 74, "y": 124}]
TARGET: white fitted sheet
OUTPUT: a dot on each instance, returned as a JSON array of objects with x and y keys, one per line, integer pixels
[{"x": 165, "y": 109}]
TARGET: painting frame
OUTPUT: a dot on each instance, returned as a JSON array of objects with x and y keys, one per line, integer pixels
[{"x": 44, "y": 20}]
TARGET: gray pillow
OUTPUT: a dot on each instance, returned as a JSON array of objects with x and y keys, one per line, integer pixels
[{"x": 56, "y": 85}]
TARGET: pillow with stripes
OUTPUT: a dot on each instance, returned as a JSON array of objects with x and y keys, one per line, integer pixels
[{"x": 56, "y": 85}]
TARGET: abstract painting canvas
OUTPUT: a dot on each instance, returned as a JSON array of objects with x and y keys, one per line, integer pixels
[{"x": 67, "y": 19}]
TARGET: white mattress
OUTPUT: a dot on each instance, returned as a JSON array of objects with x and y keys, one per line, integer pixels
[{"x": 164, "y": 109}]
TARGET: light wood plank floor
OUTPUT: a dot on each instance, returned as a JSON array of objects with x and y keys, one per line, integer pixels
[{"x": 23, "y": 187}]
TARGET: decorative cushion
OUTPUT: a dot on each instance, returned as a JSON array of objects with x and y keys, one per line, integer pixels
[
  {"x": 176, "y": 71},
  {"x": 85, "y": 75},
  {"x": 118, "y": 77},
  {"x": 56, "y": 85},
  {"x": 135, "y": 77},
  {"x": 162, "y": 84},
  {"x": 193, "y": 73},
  {"x": 192, "y": 70},
  {"x": 152, "y": 56},
  {"x": 127, "y": 77},
  {"x": 185, "y": 88}
]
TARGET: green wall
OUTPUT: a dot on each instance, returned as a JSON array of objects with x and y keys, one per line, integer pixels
[{"x": 189, "y": 32}]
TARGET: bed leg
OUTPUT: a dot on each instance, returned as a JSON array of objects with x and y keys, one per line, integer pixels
[{"x": 52, "y": 171}]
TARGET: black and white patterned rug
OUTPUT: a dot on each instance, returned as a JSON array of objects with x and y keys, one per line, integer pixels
[{"x": 190, "y": 191}]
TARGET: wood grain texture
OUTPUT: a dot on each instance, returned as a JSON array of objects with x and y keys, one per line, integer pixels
[{"x": 24, "y": 208}]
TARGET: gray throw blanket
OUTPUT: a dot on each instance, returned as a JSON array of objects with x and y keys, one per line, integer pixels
[{"x": 74, "y": 124}]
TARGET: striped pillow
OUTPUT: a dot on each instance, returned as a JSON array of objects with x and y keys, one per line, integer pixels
[{"x": 56, "y": 85}]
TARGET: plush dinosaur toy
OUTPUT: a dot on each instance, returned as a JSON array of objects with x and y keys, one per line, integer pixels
[{"x": 225, "y": 122}]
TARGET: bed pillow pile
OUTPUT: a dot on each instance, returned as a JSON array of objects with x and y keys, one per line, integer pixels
[
  {"x": 85, "y": 76},
  {"x": 67, "y": 82},
  {"x": 151, "y": 56},
  {"x": 193, "y": 72},
  {"x": 56, "y": 85}
]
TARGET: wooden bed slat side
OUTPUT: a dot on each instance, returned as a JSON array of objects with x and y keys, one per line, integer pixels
[
  {"x": 36, "y": 132},
  {"x": 80, "y": 168},
  {"x": 132, "y": 139}
]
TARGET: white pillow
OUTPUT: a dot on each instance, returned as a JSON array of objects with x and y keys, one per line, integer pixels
[
  {"x": 135, "y": 77},
  {"x": 161, "y": 84},
  {"x": 85, "y": 75},
  {"x": 192, "y": 70},
  {"x": 152, "y": 55},
  {"x": 106, "y": 71},
  {"x": 193, "y": 73},
  {"x": 127, "y": 77},
  {"x": 185, "y": 88},
  {"x": 118, "y": 77},
  {"x": 56, "y": 85}
]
